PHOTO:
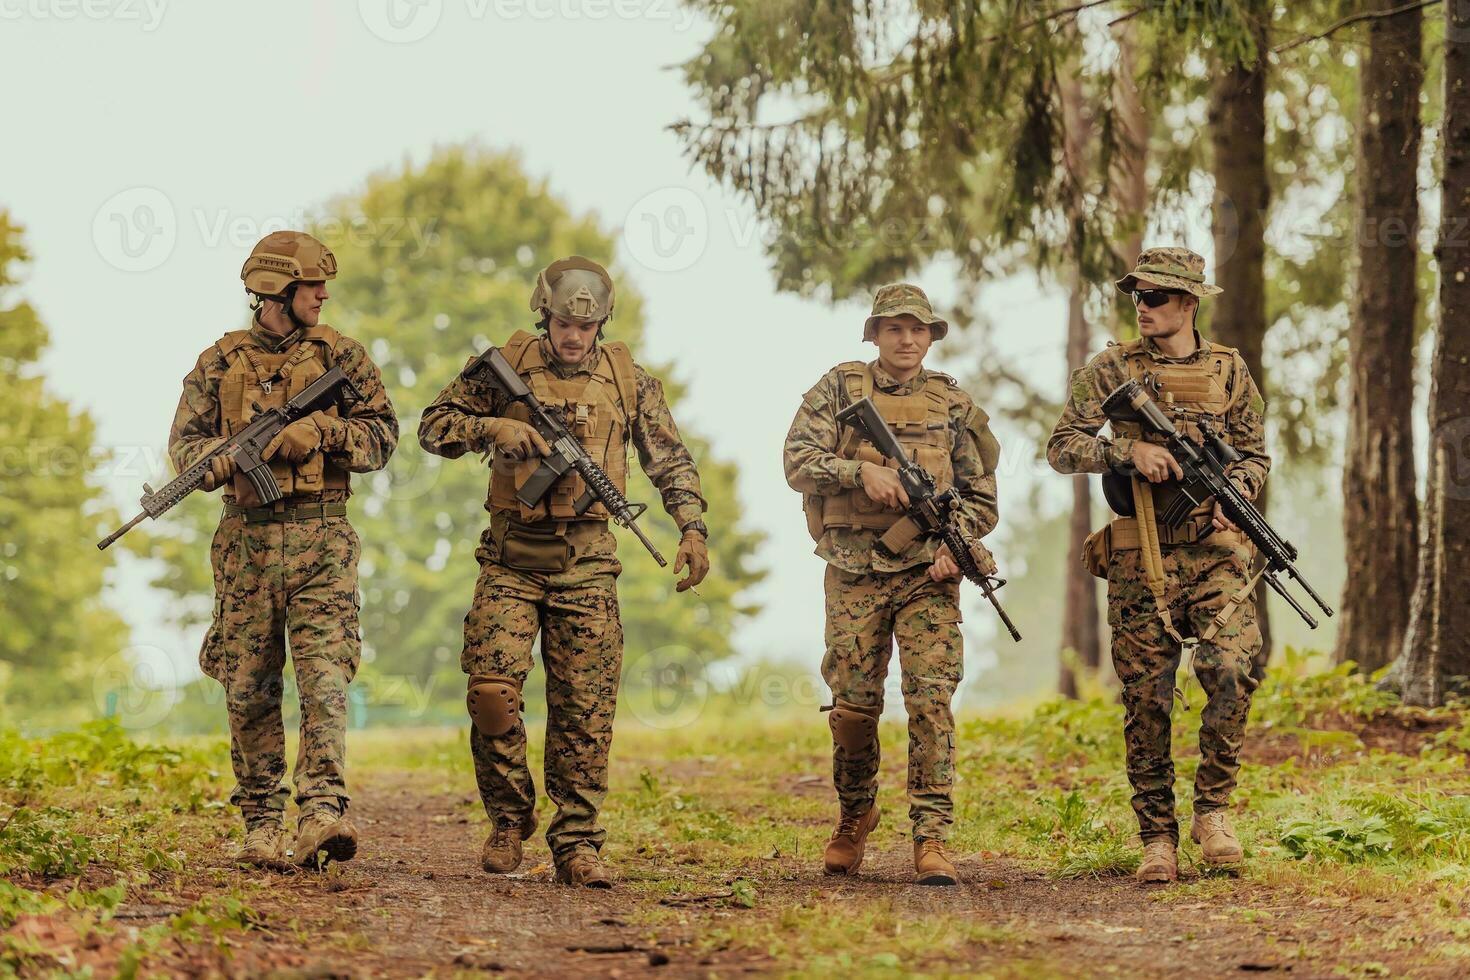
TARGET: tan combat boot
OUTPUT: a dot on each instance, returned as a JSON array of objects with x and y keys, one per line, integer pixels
[
  {"x": 324, "y": 835},
  {"x": 1160, "y": 862},
  {"x": 845, "y": 847},
  {"x": 1216, "y": 838},
  {"x": 265, "y": 843},
  {"x": 502, "y": 851},
  {"x": 931, "y": 865},
  {"x": 583, "y": 870}
]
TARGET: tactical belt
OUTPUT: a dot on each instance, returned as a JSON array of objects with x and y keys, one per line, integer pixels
[{"x": 280, "y": 514}]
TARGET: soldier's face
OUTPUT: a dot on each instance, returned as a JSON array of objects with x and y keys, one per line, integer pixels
[
  {"x": 572, "y": 340},
  {"x": 903, "y": 341},
  {"x": 307, "y": 302},
  {"x": 1166, "y": 320}
]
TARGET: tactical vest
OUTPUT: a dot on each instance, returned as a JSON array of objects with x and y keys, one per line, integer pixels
[
  {"x": 595, "y": 407},
  {"x": 255, "y": 378},
  {"x": 921, "y": 422}
]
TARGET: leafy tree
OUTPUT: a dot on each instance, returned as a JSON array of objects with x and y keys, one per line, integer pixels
[{"x": 51, "y": 515}]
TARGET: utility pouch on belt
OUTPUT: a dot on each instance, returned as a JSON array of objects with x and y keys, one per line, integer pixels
[
  {"x": 1097, "y": 549},
  {"x": 529, "y": 548}
]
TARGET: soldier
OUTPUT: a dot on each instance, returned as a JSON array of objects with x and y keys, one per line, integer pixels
[
  {"x": 852, "y": 495},
  {"x": 1196, "y": 580},
  {"x": 548, "y": 568},
  {"x": 287, "y": 573}
]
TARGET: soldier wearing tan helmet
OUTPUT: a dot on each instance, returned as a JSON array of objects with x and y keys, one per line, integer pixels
[
  {"x": 552, "y": 570},
  {"x": 1181, "y": 584},
  {"x": 852, "y": 496},
  {"x": 285, "y": 576}
]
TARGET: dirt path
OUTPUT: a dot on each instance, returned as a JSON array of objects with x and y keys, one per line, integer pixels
[{"x": 415, "y": 903}]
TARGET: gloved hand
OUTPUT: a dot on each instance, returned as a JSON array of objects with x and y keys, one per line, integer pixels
[
  {"x": 513, "y": 438},
  {"x": 296, "y": 442},
  {"x": 221, "y": 471},
  {"x": 694, "y": 553}
]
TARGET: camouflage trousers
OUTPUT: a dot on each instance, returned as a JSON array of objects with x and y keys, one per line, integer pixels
[
  {"x": 1200, "y": 581},
  {"x": 576, "y": 613},
  {"x": 865, "y": 613},
  {"x": 281, "y": 586}
]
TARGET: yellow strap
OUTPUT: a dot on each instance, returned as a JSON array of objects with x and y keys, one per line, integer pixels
[
  {"x": 1226, "y": 614},
  {"x": 1152, "y": 556}
]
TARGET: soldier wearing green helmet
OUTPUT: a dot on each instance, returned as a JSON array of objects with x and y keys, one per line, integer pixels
[{"x": 285, "y": 575}]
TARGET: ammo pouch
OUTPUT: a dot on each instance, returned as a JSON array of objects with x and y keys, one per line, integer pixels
[
  {"x": 1097, "y": 549},
  {"x": 535, "y": 547}
]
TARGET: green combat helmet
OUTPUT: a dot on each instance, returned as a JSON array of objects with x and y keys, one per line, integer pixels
[
  {"x": 284, "y": 258},
  {"x": 574, "y": 288},
  {"x": 898, "y": 298}
]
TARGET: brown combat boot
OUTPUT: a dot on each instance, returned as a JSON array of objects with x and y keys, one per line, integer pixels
[
  {"x": 931, "y": 865},
  {"x": 1160, "y": 862},
  {"x": 583, "y": 870},
  {"x": 502, "y": 851},
  {"x": 1216, "y": 838},
  {"x": 324, "y": 835},
  {"x": 265, "y": 843},
  {"x": 848, "y": 842}
]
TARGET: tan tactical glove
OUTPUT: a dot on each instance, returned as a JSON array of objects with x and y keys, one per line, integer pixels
[
  {"x": 297, "y": 442},
  {"x": 695, "y": 554},
  {"x": 221, "y": 471},
  {"x": 510, "y": 437}
]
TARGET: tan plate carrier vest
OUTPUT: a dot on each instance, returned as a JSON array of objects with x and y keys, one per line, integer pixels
[
  {"x": 921, "y": 422},
  {"x": 595, "y": 409},
  {"x": 1186, "y": 392},
  {"x": 255, "y": 376}
]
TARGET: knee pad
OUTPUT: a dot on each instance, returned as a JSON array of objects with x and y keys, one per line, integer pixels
[
  {"x": 494, "y": 704},
  {"x": 854, "y": 726}
]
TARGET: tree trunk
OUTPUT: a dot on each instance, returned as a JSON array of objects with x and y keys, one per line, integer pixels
[
  {"x": 1242, "y": 196},
  {"x": 1435, "y": 661},
  {"x": 1380, "y": 506},
  {"x": 1081, "y": 632}
]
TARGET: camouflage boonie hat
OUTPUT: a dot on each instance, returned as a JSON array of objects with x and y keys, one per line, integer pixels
[
  {"x": 898, "y": 298},
  {"x": 1169, "y": 268}
]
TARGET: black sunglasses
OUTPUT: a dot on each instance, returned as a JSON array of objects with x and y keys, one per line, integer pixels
[{"x": 1154, "y": 298}]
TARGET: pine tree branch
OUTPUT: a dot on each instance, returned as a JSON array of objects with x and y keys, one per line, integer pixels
[
  {"x": 1351, "y": 20},
  {"x": 1046, "y": 18}
]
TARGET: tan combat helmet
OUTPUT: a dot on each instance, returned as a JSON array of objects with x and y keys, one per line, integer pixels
[
  {"x": 284, "y": 258},
  {"x": 898, "y": 298},
  {"x": 574, "y": 288}
]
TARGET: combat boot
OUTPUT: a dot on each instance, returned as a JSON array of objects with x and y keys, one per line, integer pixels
[
  {"x": 502, "y": 851},
  {"x": 931, "y": 865},
  {"x": 848, "y": 842},
  {"x": 324, "y": 834},
  {"x": 1216, "y": 838},
  {"x": 265, "y": 842},
  {"x": 583, "y": 870},
  {"x": 1160, "y": 862}
]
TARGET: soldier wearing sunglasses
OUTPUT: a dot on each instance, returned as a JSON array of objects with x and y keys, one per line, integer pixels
[{"x": 1190, "y": 583}]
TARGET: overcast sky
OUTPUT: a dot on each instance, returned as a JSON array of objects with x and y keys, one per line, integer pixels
[{"x": 148, "y": 145}]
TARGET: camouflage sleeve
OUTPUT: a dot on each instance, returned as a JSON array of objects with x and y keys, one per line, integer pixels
[
  {"x": 662, "y": 453},
  {"x": 810, "y": 458},
  {"x": 445, "y": 427},
  {"x": 1075, "y": 446},
  {"x": 196, "y": 427},
  {"x": 976, "y": 456},
  {"x": 1245, "y": 425},
  {"x": 368, "y": 435}
]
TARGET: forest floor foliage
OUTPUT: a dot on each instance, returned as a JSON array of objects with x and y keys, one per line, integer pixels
[{"x": 1355, "y": 812}]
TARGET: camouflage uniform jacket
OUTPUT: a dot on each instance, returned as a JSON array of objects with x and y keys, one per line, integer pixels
[
  {"x": 446, "y": 425},
  {"x": 371, "y": 431},
  {"x": 1076, "y": 447},
  {"x": 813, "y": 466}
]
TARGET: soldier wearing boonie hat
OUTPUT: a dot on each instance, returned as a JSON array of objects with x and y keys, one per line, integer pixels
[{"x": 1187, "y": 584}]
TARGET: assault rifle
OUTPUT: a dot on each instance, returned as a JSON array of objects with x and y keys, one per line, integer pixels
[
  {"x": 932, "y": 511},
  {"x": 246, "y": 447},
  {"x": 567, "y": 453},
  {"x": 1205, "y": 464}
]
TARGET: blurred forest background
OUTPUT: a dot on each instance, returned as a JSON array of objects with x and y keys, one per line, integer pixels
[{"x": 1325, "y": 144}]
